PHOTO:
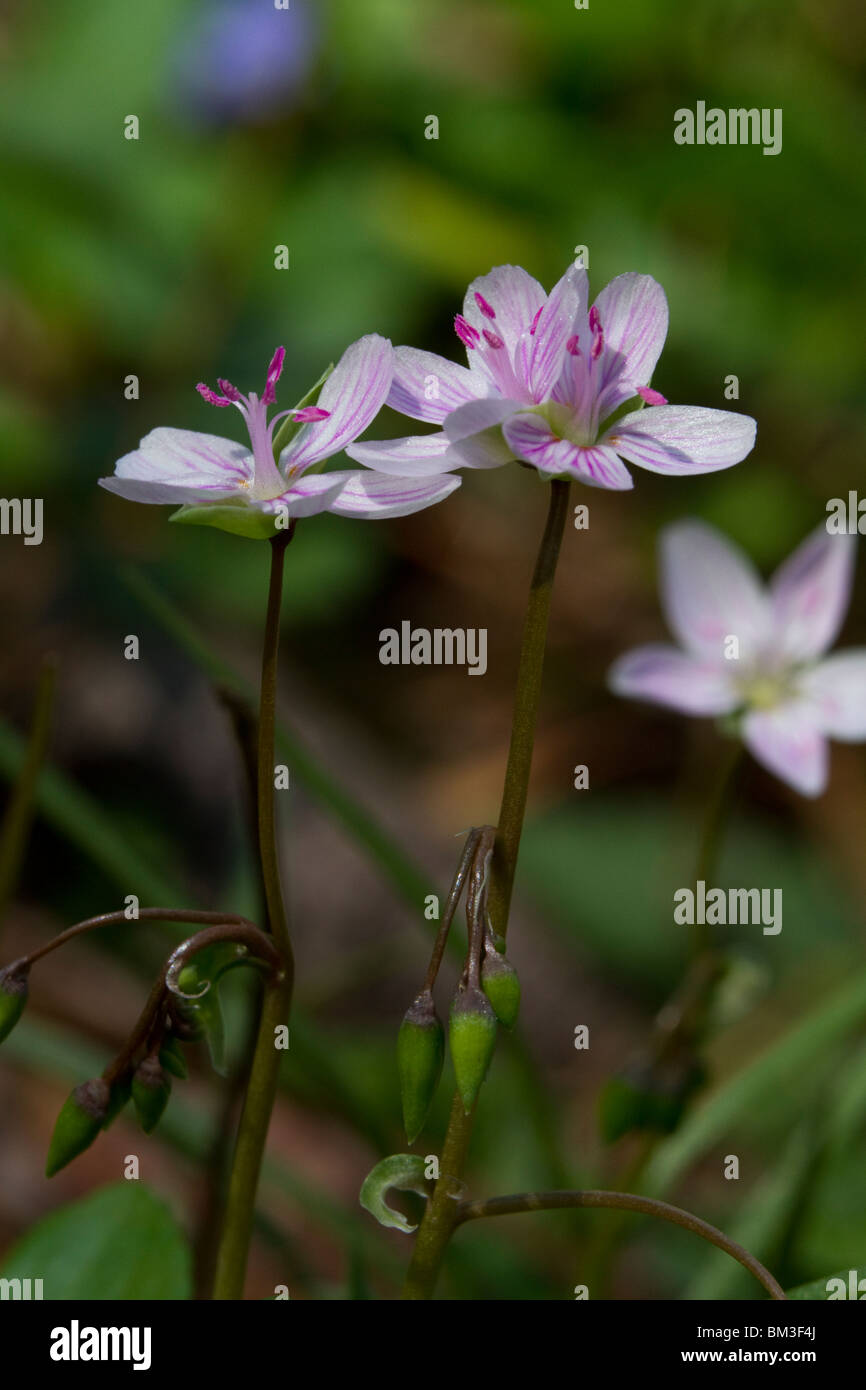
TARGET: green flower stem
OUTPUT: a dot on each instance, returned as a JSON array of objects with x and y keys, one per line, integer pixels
[
  {"x": 715, "y": 819},
  {"x": 621, "y": 1201},
  {"x": 437, "y": 1225},
  {"x": 409, "y": 879},
  {"x": 261, "y": 1093}
]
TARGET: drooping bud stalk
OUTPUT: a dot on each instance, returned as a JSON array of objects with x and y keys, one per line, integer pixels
[
  {"x": 151, "y": 1089},
  {"x": 81, "y": 1118},
  {"x": 501, "y": 984},
  {"x": 420, "y": 1053},
  {"x": 472, "y": 1038},
  {"x": 14, "y": 986}
]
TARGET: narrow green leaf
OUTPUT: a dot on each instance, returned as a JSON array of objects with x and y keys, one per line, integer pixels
[{"x": 844, "y": 1284}]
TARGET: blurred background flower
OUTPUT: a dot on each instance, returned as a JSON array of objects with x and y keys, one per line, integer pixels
[{"x": 242, "y": 60}]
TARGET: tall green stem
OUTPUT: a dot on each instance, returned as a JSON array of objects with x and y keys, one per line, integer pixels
[
  {"x": 261, "y": 1092},
  {"x": 439, "y": 1217}
]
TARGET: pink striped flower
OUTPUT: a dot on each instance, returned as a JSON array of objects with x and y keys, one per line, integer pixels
[
  {"x": 787, "y": 698},
  {"x": 547, "y": 379},
  {"x": 240, "y": 486}
]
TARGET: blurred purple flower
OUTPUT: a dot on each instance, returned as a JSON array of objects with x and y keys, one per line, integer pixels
[
  {"x": 547, "y": 381},
  {"x": 239, "y": 60},
  {"x": 188, "y": 469},
  {"x": 787, "y": 701}
]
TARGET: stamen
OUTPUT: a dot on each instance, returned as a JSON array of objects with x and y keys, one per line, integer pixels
[
  {"x": 493, "y": 339},
  {"x": 485, "y": 308},
  {"x": 534, "y": 324},
  {"x": 275, "y": 370},
  {"x": 211, "y": 396},
  {"x": 651, "y": 397},
  {"x": 572, "y": 345},
  {"x": 309, "y": 415},
  {"x": 597, "y": 334},
  {"x": 468, "y": 335}
]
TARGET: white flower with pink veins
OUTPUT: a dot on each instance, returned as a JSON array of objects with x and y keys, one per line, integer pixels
[
  {"x": 787, "y": 696},
  {"x": 188, "y": 469},
  {"x": 547, "y": 379}
]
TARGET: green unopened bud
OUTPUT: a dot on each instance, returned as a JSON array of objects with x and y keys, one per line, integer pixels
[
  {"x": 472, "y": 1036},
  {"x": 172, "y": 1059},
  {"x": 121, "y": 1090},
  {"x": 14, "y": 983},
  {"x": 500, "y": 983},
  {"x": 151, "y": 1089},
  {"x": 79, "y": 1122},
  {"x": 420, "y": 1052}
]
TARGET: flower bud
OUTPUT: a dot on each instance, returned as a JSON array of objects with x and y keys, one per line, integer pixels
[
  {"x": 151, "y": 1089},
  {"x": 13, "y": 996},
  {"x": 472, "y": 1036},
  {"x": 172, "y": 1059},
  {"x": 500, "y": 983},
  {"x": 420, "y": 1052},
  {"x": 79, "y": 1122},
  {"x": 121, "y": 1090}
]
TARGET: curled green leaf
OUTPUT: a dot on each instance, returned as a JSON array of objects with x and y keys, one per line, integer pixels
[{"x": 405, "y": 1173}]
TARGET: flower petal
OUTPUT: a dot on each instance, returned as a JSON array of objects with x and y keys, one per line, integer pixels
[
  {"x": 479, "y": 415},
  {"x": 353, "y": 395},
  {"x": 372, "y": 495},
  {"x": 667, "y": 676},
  {"x": 181, "y": 466},
  {"x": 710, "y": 591},
  {"x": 414, "y": 456},
  {"x": 682, "y": 438},
  {"x": 310, "y": 494},
  {"x": 428, "y": 387},
  {"x": 531, "y": 439},
  {"x": 836, "y": 688},
  {"x": 544, "y": 348},
  {"x": 786, "y": 741},
  {"x": 810, "y": 594},
  {"x": 513, "y": 295},
  {"x": 633, "y": 313}
]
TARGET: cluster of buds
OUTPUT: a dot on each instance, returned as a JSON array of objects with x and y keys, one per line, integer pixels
[
  {"x": 183, "y": 1007},
  {"x": 488, "y": 994}
]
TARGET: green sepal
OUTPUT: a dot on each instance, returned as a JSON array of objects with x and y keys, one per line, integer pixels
[
  {"x": 472, "y": 1037},
  {"x": 172, "y": 1059},
  {"x": 405, "y": 1173},
  {"x": 14, "y": 986},
  {"x": 289, "y": 428},
  {"x": 210, "y": 1011},
  {"x": 420, "y": 1054},
  {"x": 80, "y": 1120},
  {"x": 501, "y": 984},
  {"x": 151, "y": 1089},
  {"x": 239, "y": 519}
]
